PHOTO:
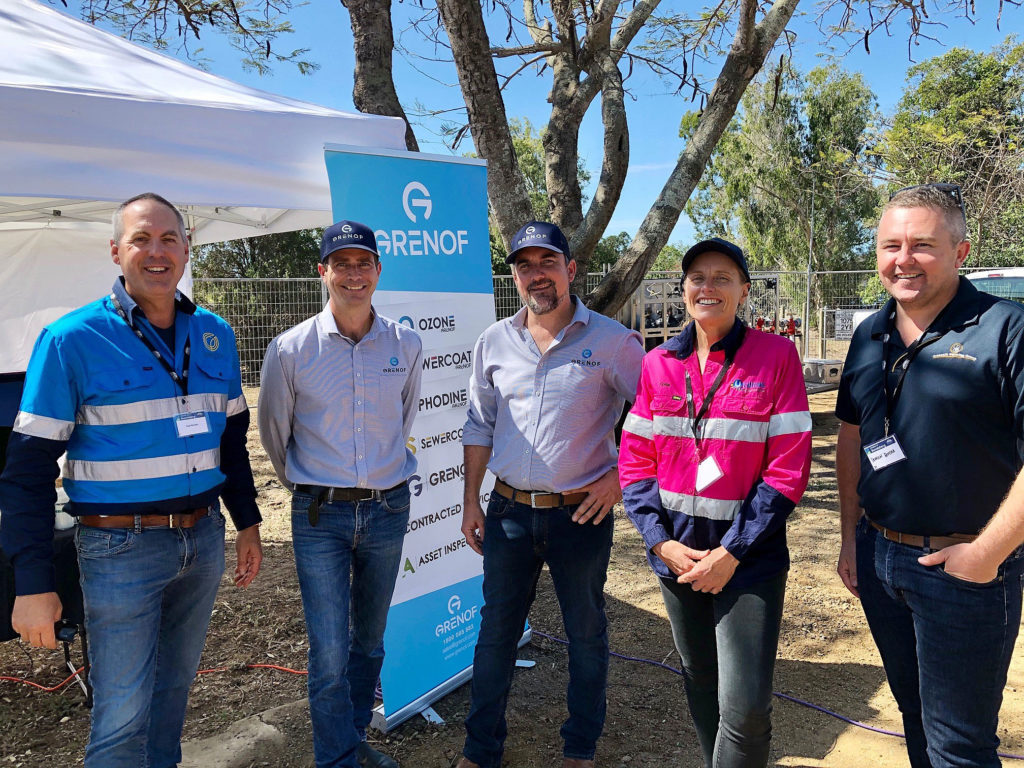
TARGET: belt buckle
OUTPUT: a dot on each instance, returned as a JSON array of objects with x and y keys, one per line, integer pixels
[{"x": 533, "y": 498}]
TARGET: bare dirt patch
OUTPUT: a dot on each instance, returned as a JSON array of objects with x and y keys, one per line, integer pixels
[{"x": 826, "y": 656}]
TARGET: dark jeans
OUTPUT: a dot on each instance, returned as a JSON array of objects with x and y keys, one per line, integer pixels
[
  {"x": 727, "y": 643},
  {"x": 148, "y": 597},
  {"x": 347, "y": 565},
  {"x": 518, "y": 540},
  {"x": 945, "y": 645}
]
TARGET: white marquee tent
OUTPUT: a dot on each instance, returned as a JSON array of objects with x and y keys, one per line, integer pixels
[{"x": 88, "y": 119}]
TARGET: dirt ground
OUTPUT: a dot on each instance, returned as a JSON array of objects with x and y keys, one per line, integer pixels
[{"x": 826, "y": 657}]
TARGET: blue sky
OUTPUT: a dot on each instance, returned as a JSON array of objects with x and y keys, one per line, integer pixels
[{"x": 654, "y": 113}]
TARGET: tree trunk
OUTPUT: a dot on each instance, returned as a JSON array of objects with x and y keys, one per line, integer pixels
[
  {"x": 373, "y": 91},
  {"x": 506, "y": 189},
  {"x": 749, "y": 49}
]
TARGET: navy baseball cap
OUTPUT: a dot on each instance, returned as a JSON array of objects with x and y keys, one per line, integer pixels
[
  {"x": 541, "y": 234},
  {"x": 347, "y": 234},
  {"x": 718, "y": 245}
]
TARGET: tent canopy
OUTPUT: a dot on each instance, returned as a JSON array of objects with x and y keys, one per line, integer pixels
[{"x": 90, "y": 119}]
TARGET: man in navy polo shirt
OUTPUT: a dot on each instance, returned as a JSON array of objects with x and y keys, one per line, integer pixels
[
  {"x": 931, "y": 405},
  {"x": 547, "y": 387},
  {"x": 143, "y": 391},
  {"x": 338, "y": 395}
]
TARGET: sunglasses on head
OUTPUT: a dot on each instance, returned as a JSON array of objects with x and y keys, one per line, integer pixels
[{"x": 953, "y": 190}]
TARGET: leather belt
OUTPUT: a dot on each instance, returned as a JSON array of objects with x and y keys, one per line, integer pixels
[
  {"x": 177, "y": 520},
  {"x": 932, "y": 543},
  {"x": 538, "y": 499},
  {"x": 329, "y": 494}
]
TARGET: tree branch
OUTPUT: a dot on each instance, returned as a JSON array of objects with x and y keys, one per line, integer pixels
[{"x": 746, "y": 57}]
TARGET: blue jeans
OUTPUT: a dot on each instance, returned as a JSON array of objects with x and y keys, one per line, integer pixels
[
  {"x": 148, "y": 595},
  {"x": 727, "y": 643},
  {"x": 518, "y": 540},
  {"x": 347, "y": 566},
  {"x": 945, "y": 645}
]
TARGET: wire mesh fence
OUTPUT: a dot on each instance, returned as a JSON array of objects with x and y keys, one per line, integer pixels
[
  {"x": 506, "y": 298},
  {"x": 258, "y": 310},
  {"x": 817, "y": 310}
]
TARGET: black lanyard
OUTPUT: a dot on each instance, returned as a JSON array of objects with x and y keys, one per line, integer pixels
[
  {"x": 182, "y": 380},
  {"x": 691, "y": 404},
  {"x": 892, "y": 395}
]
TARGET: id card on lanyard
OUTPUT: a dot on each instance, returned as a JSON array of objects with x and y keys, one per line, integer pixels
[
  {"x": 888, "y": 451},
  {"x": 708, "y": 470}
]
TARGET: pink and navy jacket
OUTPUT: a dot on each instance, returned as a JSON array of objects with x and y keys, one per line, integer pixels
[{"x": 757, "y": 428}]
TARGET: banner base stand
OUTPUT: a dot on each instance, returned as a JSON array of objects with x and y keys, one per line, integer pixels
[
  {"x": 525, "y": 663},
  {"x": 421, "y": 706}
]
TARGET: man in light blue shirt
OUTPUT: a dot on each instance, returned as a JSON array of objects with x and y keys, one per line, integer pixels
[
  {"x": 338, "y": 394},
  {"x": 547, "y": 388},
  {"x": 143, "y": 391}
]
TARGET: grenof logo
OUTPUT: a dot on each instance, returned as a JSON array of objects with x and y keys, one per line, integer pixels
[
  {"x": 346, "y": 228},
  {"x": 393, "y": 361},
  {"x": 454, "y": 604},
  {"x": 530, "y": 230},
  {"x": 587, "y": 353},
  {"x": 737, "y": 384},
  {"x": 956, "y": 348},
  {"x": 211, "y": 342},
  {"x": 406, "y": 320},
  {"x": 409, "y": 202},
  {"x": 416, "y": 484}
]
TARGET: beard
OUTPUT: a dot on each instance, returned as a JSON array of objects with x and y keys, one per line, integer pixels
[{"x": 542, "y": 301}]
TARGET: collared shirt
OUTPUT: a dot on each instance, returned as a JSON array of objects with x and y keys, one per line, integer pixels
[
  {"x": 336, "y": 412},
  {"x": 95, "y": 390},
  {"x": 756, "y": 434},
  {"x": 959, "y": 417},
  {"x": 549, "y": 418}
]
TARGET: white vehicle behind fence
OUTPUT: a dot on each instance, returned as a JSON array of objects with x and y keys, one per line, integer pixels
[{"x": 1006, "y": 283}]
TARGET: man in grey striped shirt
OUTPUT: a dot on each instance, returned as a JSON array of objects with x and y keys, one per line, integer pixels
[
  {"x": 338, "y": 395},
  {"x": 547, "y": 388}
]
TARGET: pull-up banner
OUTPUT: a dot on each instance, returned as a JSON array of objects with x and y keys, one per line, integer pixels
[{"x": 429, "y": 213}]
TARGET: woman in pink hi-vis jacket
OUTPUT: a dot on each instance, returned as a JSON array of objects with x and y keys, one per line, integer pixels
[{"x": 715, "y": 455}]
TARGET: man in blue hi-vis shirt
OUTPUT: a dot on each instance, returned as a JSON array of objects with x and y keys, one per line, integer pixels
[{"x": 142, "y": 390}]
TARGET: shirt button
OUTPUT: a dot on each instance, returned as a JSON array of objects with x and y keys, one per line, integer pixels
[
  {"x": 359, "y": 429},
  {"x": 359, "y": 402},
  {"x": 358, "y": 374},
  {"x": 360, "y": 456}
]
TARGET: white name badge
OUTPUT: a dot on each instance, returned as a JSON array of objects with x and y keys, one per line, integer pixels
[
  {"x": 707, "y": 472},
  {"x": 884, "y": 452},
  {"x": 190, "y": 424}
]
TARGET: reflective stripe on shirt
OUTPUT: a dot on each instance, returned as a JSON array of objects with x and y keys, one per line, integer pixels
[
  {"x": 141, "y": 469},
  {"x": 698, "y": 506},
  {"x": 153, "y": 410},
  {"x": 739, "y": 430},
  {"x": 43, "y": 426},
  {"x": 791, "y": 423}
]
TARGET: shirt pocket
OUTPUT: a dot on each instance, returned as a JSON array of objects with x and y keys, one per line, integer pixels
[
  {"x": 671, "y": 419},
  {"x": 580, "y": 394},
  {"x": 744, "y": 418},
  {"x": 217, "y": 370},
  {"x": 124, "y": 378}
]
